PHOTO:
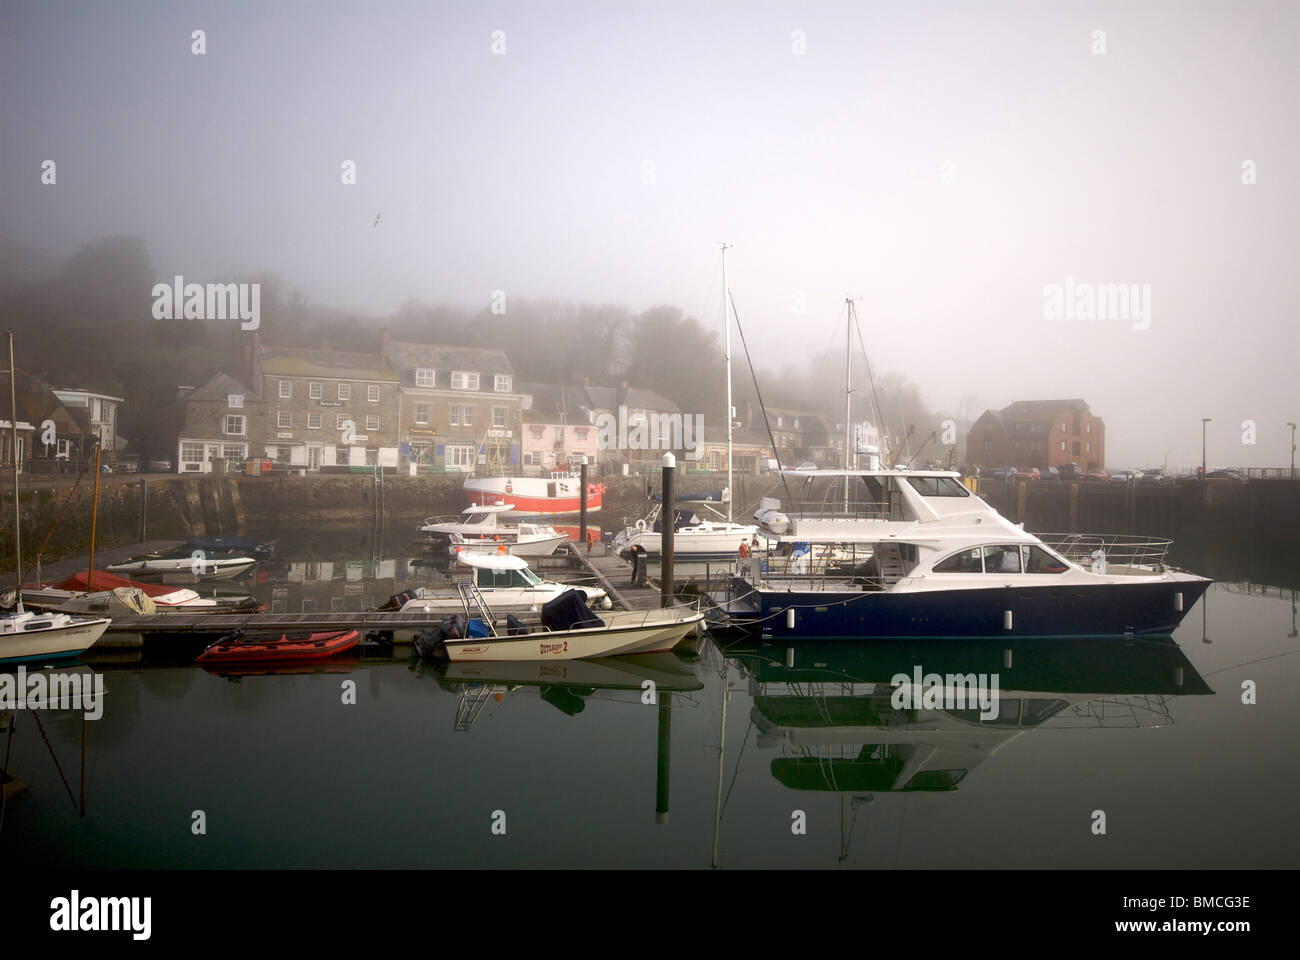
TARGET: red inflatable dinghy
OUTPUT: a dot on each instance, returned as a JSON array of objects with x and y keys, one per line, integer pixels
[{"x": 240, "y": 648}]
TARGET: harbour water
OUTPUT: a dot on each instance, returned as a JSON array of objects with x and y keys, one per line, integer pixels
[{"x": 771, "y": 758}]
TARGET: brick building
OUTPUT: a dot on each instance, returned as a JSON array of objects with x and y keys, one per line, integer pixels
[{"x": 1038, "y": 433}]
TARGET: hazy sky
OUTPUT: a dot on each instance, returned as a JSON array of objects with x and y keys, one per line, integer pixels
[{"x": 945, "y": 162}]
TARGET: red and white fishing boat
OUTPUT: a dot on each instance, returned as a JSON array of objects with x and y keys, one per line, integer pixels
[{"x": 551, "y": 495}]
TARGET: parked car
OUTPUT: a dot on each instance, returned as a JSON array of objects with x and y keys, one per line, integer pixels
[
  {"x": 1095, "y": 475},
  {"x": 1121, "y": 477},
  {"x": 1004, "y": 473},
  {"x": 1156, "y": 475},
  {"x": 1031, "y": 474},
  {"x": 161, "y": 465},
  {"x": 128, "y": 464},
  {"x": 1224, "y": 475},
  {"x": 1051, "y": 473}
]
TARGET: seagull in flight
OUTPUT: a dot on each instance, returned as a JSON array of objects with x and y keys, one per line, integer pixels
[{"x": 376, "y": 223}]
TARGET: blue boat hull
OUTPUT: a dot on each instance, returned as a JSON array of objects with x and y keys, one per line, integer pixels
[{"x": 1104, "y": 610}]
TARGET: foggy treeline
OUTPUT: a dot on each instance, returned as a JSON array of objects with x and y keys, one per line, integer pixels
[{"x": 89, "y": 323}]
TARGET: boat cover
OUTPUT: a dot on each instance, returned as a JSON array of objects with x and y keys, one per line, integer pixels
[{"x": 569, "y": 611}]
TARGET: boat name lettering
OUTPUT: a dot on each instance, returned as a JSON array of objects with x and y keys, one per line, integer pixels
[{"x": 557, "y": 647}]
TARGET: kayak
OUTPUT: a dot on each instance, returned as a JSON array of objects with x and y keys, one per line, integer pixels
[{"x": 240, "y": 648}]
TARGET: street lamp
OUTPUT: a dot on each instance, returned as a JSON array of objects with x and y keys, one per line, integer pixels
[
  {"x": 1204, "y": 421},
  {"x": 1292, "y": 426}
]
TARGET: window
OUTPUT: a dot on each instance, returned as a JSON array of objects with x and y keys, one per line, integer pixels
[
  {"x": 339, "y": 420},
  {"x": 1063, "y": 446},
  {"x": 714, "y": 460},
  {"x": 938, "y": 487},
  {"x": 1038, "y": 560},
  {"x": 1063, "y": 427},
  {"x": 234, "y": 451},
  {"x": 345, "y": 391},
  {"x": 372, "y": 456},
  {"x": 988, "y": 444},
  {"x": 462, "y": 416},
  {"x": 283, "y": 454},
  {"x": 234, "y": 425},
  {"x": 1089, "y": 446},
  {"x": 1002, "y": 559},
  {"x": 314, "y": 391},
  {"x": 1015, "y": 444},
  {"x": 1076, "y": 448},
  {"x": 191, "y": 452},
  {"x": 420, "y": 453},
  {"x": 372, "y": 421},
  {"x": 967, "y": 561},
  {"x": 779, "y": 422},
  {"x": 503, "y": 382},
  {"x": 284, "y": 418},
  {"x": 464, "y": 381},
  {"x": 286, "y": 389},
  {"x": 342, "y": 456},
  {"x": 537, "y": 431},
  {"x": 313, "y": 421},
  {"x": 423, "y": 413},
  {"x": 424, "y": 378},
  {"x": 499, "y": 417},
  {"x": 638, "y": 414},
  {"x": 460, "y": 455},
  {"x": 235, "y": 401},
  {"x": 372, "y": 393}
]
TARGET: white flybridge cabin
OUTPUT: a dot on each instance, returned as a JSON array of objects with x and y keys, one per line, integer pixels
[{"x": 903, "y": 553}]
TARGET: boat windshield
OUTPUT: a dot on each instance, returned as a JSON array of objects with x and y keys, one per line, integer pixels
[
  {"x": 938, "y": 487},
  {"x": 530, "y": 578}
]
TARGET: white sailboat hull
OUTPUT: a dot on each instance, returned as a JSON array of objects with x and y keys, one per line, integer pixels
[{"x": 51, "y": 643}]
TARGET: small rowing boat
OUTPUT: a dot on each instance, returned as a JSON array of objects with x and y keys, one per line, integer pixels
[{"x": 240, "y": 648}]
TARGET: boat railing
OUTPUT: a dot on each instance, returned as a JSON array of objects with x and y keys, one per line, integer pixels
[
  {"x": 445, "y": 518},
  {"x": 472, "y": 598},
  {"x": 840, "y": 510},
  {"x": 1110, "y": 553}
]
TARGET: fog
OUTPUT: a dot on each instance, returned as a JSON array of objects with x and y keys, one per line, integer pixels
[{"x": 944, "y": 162}]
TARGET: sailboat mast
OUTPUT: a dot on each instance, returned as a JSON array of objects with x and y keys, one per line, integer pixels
[
  {"x": 13, "y": 423},
  {"x": 848, "y": 396},
  {"x": 726, "y": 349}
]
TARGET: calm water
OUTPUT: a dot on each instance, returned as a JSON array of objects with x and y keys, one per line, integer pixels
[{"x": 586, "y": 774}]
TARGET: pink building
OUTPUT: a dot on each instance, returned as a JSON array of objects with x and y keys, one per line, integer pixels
[{"x": 556, "y": 427}]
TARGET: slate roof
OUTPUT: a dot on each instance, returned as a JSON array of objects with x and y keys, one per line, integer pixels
[
  {"x": 327, "y": 364},
  {"x": 218, "y": 388},
  {"x": 405, "y": 358}
]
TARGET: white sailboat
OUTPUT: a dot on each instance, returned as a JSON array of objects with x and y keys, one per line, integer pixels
[
  {"x": 700, "y": 538},
  {"x": 24, "y": 635}
]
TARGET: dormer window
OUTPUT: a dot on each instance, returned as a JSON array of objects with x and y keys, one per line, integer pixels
[
  {"x": 235, "y": 401},
  {"x": 461, "y": 380},
  {"x": 424, "y": 378},
  {"x": 503, "y": 382}
]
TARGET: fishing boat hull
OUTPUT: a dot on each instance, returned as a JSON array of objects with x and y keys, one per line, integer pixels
[
  {"x": 653, "y": 631},
  {"x": 534, "y": 496},
  {"x": 55, "y": 643},
  {"x": 1151, "y": 608},
  {"x": 316, "y": 647},
  {"x": 539, "y": 546}
]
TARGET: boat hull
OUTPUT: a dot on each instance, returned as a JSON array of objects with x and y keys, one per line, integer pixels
[
  {"x": 623, "y": 634},
  {"x": 1101, "y": 610},
  {"x": 534, "y": 496},
  {"x": 320, "y": 646},
  {"x": 58, "y": 643},
  {"x": 535, "y": 547}
]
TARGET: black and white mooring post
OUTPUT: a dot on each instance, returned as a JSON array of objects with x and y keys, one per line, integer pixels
[
  {"x": 666, "y": 517},
  {"x": 582, "y": 509}
]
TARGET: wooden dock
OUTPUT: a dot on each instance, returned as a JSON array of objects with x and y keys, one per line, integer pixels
[
  {"x": 372, "y": 622},
  {"x": 615, "y": 575}
]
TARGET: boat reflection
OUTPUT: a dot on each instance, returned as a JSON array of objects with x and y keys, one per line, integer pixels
[{"x": 836, "y": 713}]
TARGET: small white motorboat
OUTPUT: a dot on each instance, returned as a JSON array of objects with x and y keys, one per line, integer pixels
[
  {"x": 479, "y": 530},
  {"x": 28, "y": 636},
  {"x": 505, "y": 581},
  {"x": 568, "y": 631},
  {"x": 184, "y": 560}
]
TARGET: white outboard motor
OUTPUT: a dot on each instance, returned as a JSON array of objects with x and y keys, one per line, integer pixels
[{"x": 771, "y": 517}]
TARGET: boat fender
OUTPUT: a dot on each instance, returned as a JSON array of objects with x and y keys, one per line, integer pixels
[{"x": 640, "y": 526}]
